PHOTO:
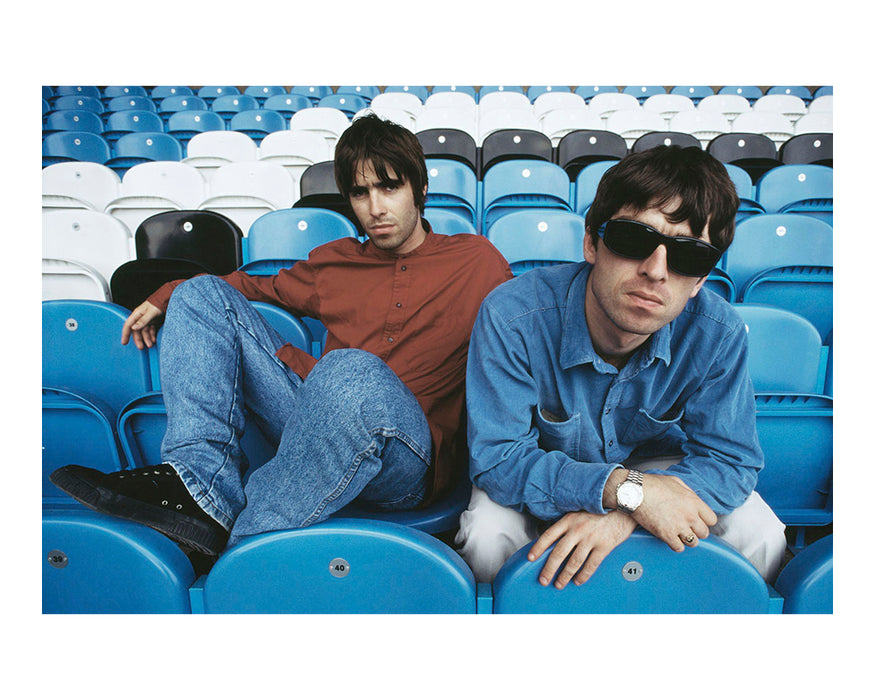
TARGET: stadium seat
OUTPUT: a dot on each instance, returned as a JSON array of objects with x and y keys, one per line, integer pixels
[
  {"x": 462, "y": 102},
  {"x": 821, "y": 103},
  {"x": 279, "y": 238},
  {"x": 91, "y": 91},
  {"x": 210, "y": 150},
  {"x": 204, "y": 237},
  {"x": 538, "y": 237},
  {"x": 448, "y": 222},
  {"x": 186, "y": 124},
  {"x": 341, "y": 566},
  {"x": 815, "y": 148},
  {"x": 814, "y": 123},
  {"x": 721, "y": 284},
  {"x": 789, "y": 106},
  {"x": 178, "y": 103},
  {"x": 823, "y": 90},
  {"x": 64, "y": 279},
  {"x": 642, "y": 92},
  {"x": 772, "y": 124},
  {"x": 313, "y": 93},
  {"x": 79, "y": 185},
  {"x": 586, "y": 183},
  {"x": 95, "y": 563},
  {"x": 664, "y": 138},
  {"x": 437, "y": 118},
  {"x": 468, "y": 90},
  {"x": 806, "y": 583},
  {"x": 93, "y": 238},
  {"x": 703, "y": 125},
  {"x": 294, "y": 150},
  {"x": 453, "y": 186},
  {"x": 130, "y": 120},
  {"x": 346, "y": 103},
  {"x": 749, "y": 92},
  {"x": 142, "y": 147},
  {"x": 65, "y": 146},
  {"x": 134, "y": 281},
  {"x": 154, "y": 187},
  {"x": 533, "y": 92},
  {"x": 730, "y": 106},
  {"x": 263, "y": 92},
  {"x": 799, "y": 91},
  {"x": 509, "y": 144},
  {"x": 209, "y": 93},
  {"x": 73, "y": 120},
  {"x": 798, "y": 189},
  {"x": 589, "y": 91},
  {"x": 319, "y": 189},
  {"x": 550, "y": 101},
  {"x": 286, "y": 105},
  {"x": 503, "y": 119},
  {"x": 578, "y": 149},
  {"x": 603, "y": 104},
  {"x": 419, "y": 90},
  {"x": 520, "y": 184},
  {"x": 330, "y": 123},
  {"x": 226, "y": 106},
  {"x": 404, "y": 101},
  {"x": 453, "y": 144},
  {"x": 396, "y": 116},
  {"x": 123, "y": 104},
  {"x": 243, "y": 191},
  {"x": 667, "y": 105},
  {"x": 634, "y": 123},
  {"x": 748, "y": 204},
  {"x": 693, "y": 92},
  {"x": 500, "y": 90},
  {"x": 258, "y": 123},
  {"x": 754, "y": 153},
  {"x": 641, "y": 575},
  {"x": 159, "y": 92},
  {"x": 366, "y": 92},
  {"x": 785, "y": 260},
  {"x": 80, "y": 102},
  {"x": 560, "y": 122},
  {"x": 501, "y": 100}
]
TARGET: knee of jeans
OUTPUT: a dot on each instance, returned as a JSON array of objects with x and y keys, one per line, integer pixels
[
  {"x": 193, "y": 290},
  {"x": 349, "y": 371}
]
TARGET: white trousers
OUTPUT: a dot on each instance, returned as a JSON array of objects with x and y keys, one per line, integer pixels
[{"x": 490, "y": 533}]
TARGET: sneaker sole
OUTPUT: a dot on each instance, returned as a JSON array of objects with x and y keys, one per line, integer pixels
[{"x": 180, "y": 528}]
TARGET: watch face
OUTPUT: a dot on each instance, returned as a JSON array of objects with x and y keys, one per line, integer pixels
[{"x": 629, "y": 495}]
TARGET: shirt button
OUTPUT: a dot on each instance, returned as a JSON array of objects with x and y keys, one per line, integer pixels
[
  {"x": 403, "y": 268},
  {"x": 611, "y": 443},
  {"x": 391, "y": 340},
  {"x": 607, "y": 411},
  {"x": 398, "y": 304}
]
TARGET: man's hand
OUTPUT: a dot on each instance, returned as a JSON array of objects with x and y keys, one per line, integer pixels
[
  {"x": 673, "y": 512},
  {"x": 142, "y": 325},
  {"x": 587, "y": 538}
]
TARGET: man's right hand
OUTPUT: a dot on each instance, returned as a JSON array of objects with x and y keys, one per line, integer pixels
[{"x": 142, "y": 325}]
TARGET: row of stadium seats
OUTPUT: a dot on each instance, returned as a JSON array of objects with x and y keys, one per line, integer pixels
[{"x": 108, "y": 412}]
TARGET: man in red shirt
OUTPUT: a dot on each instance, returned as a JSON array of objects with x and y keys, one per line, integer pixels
[{"x": 379, "y": 419}]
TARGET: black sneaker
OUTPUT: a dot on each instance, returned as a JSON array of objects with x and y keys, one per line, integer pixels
[{"x": 154, "y": 496}]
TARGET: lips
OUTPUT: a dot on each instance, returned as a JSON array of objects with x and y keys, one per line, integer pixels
[{"x": 646, "y": 299}]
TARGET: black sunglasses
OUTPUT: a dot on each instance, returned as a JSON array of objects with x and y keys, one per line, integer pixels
[{"x": 687, "y": 256}]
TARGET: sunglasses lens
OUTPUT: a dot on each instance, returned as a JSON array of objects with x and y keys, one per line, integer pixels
[{"x": 686, "y": 256}]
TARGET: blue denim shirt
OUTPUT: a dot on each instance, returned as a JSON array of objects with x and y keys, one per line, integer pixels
[{"x": 549, "y": 420}]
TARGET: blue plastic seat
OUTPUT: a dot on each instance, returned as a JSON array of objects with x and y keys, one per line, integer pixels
[
  {"x": 538, "y": 237},
  {"x": 65, "y": 146},
  {"x": 159, "y": 92},
  {"x": 694, "y": 92},
  {"x": 642, "y": 92},
  {"x": 448, "y": 222},
  {"x": 209, "y": 93},
  {"x": 287, "y": 105},
  {"x": 747, "y": 205},
  {"x": 367, "y": 92},
  {"x": 590, "y": 91},
  {"x": 721, "y": 283},
  {"x": 83, "y": 102},
  {"x": 420, "y": 91},
  {"x": 341, "y": 566},
  {"x": 466, "y": 89},
  {"x": 279, "y": 238},
  {"x": 185, "y": 124},
  {"x": 346, "y": 103},
  {"x": 227, "y": 106},
  {"x": 257, "y": 123},
  {"x": 799, "y": 91},
  {"x": 519, "y": 184},
  {"x": 76, "y": 91},
  {"x": 143, "y": 147},
  {"x": 314, "y": 93},
  {"x": 807, "y": 581},
  {"x": 587, "y": 182},
  {"x": 113, "y": 91},
  {"x": 130, "y": 120},
  {"x": 263, "y": 92},
  {"x": 751, "y": 92},
  {"x": 141, "y": 103},
  {"x": 785, "y": 260},
  {"x": 94, "y": 563},
  {"x": 640, "y": 576},
  {"x": 452, "y": 185},
  {"x": 535, "y": 91},
  {"x": 179, "y": 103},
  {"x": 798, "y": 189},
  {"x": 73, "y": 120}
]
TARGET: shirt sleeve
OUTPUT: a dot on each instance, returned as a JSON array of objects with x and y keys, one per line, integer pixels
[
  {"x": 722, "y": 455},
  {"x": 505, "y": 457}
]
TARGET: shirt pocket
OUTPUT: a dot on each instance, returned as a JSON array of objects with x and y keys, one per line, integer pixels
[
  {"x": 560, "y": 435},
  {"x": 645, "y": 428}
]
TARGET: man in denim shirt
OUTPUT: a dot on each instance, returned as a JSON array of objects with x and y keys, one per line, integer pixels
[{"x": 583, "y": 376}]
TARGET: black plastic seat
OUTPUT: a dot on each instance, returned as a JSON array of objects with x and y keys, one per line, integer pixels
[
  {"x": 579, "y": 148},
  {"x": 756, "y": 154},
  {"x": 664, "y": 138},
  {"x": 319, "y": 189},
  {"x": 132, "y": 283},
  {"x": 207, "y": 238},
  {"x": 814, "y": 149},
  {"x": 507, "y": 144},
  {"x": 449, "y": 143}
]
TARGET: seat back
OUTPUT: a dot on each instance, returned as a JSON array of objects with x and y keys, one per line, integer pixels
[
  {"x": 452, "y": 185},
  {"x": 642, "y": 575},
  {"x": 802, "y": 188},
  {"x": 515, "y": 184},
  {"x": 73, "y": 120},
  {"x": 453, "y": 144},
  {"x": 509, "y": 144},
  {"x": 290, "y": 234},
  {"x": 205, "y": 237},
  {"x": 79, "y": 184},
  {"x": 538, "y": 237},
  {"x": 578, "y": 149},
  {"x": 807, "y": 581},
  {"x": 65, "y": 146}
]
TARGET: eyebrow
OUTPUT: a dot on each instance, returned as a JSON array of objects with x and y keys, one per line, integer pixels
[{"x": 388, "y": 182}]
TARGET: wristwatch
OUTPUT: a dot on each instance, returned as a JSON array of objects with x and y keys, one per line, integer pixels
[{"x": 630, "y": 494}]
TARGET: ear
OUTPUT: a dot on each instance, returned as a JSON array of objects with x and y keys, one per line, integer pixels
[{"x": 589, "y": 247}]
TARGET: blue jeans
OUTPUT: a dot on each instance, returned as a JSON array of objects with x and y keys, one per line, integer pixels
[{"x": 351, "y": 430}]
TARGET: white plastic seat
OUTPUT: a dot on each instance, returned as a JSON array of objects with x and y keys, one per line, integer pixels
[
  {"x": 405, "y": 101},
  {"x": 244, "y": 191},
  {"x": 632, "y": 123},
  {"x": 703, "y": 125},
  {"x": 814, "y": 123},
  {"x": 327, "y": 121},
  {"x": 772, "y": 124},
  {"x": 820, "y": 104},
  {"x": 550, "y": 101},
  {"x": 497, "y": 119},
  {"x": 79, "y": 185},
  {"x": 150, "y": 188},
  {"x": 96, "y": 239},
  {"x": 502, "y": 101},
  {"x": 730, "y": 106},
  {"x": 790, "y": 106},
  {"x": 295, "y": 151},
  {"x": 398, "y": 116},
  {"x": 65, "y": 279},
  {"x": 560, "y": 122},
  {"x": 667, "y": 105},
  {"x": 456, "y": 101},
  {"x": 212, "y": 149},
  {"x": 606, "y": 102},
  {"x": 445, "y": 118}
]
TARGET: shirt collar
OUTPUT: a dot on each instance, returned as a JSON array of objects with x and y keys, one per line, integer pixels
[{"x": 576, "y": 345}]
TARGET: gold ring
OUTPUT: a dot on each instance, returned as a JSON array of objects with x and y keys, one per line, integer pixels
[{"x": 689, "y": 539}]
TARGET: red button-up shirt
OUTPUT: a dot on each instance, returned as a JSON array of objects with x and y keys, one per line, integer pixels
[{"x": 414, "y": 311}]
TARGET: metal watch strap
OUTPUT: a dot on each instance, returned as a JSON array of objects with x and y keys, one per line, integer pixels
[{"x": 635, "y": 477}]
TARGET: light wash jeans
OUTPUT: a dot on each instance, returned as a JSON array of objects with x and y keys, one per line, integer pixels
[{"x": 351, "y": 430}]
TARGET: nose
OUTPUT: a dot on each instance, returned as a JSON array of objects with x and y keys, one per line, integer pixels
[
  {"x": 655, "y": 266},
  {"x": 376, "y": 204}
]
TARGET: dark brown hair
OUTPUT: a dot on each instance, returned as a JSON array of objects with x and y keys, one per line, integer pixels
[
  {"x": 386, "y": 145},
  {"x": 655, "y": 177}
]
